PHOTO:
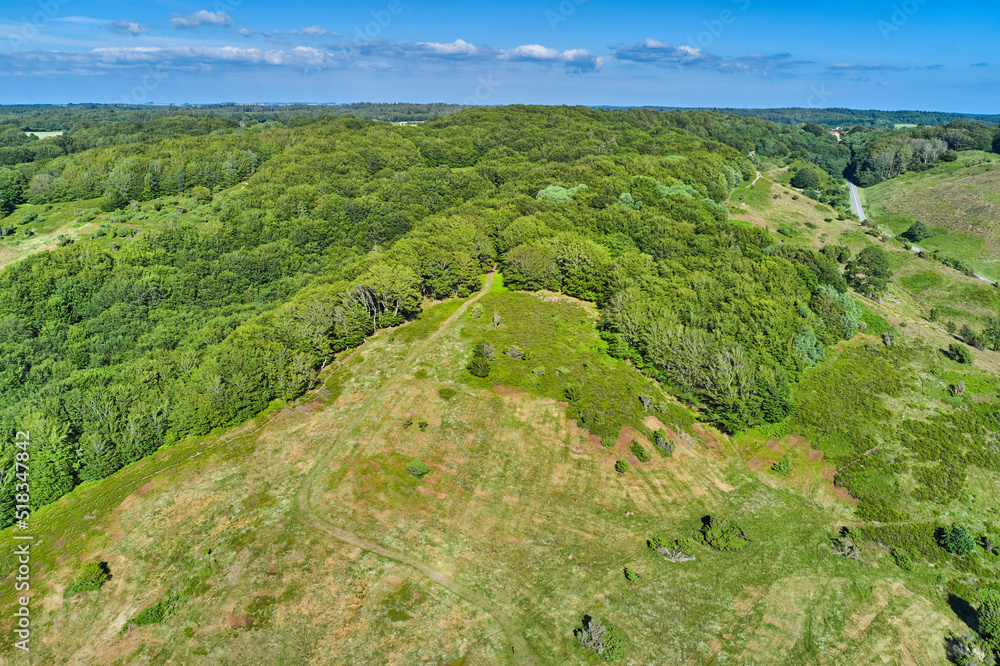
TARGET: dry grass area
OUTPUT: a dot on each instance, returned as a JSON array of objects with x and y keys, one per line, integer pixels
[
  {"x": 964, "y": 197},
  {"x": 521, "y": 508}
]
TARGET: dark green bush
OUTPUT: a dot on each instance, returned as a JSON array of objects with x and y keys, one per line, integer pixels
[
  {"x": 622, "y": 466},
  {"x": 961, "y": 353},
  {"x": 418, "y": 469},
  {"x": 422, "y": 425},
  {"x": 631, "y": 575},
  {"x": 783, "y": 467},
  {"x": 640, "y": 451},
  {"x": 917, "y": 232},
  {"x": 91, "y": 577},
  {"x": 903, "y": 558},
  {"x": 989, "y": 613},
  {"x": 721, "y": 535},
  {"x": 957, "y": 539},
  {"x": 479, "y": 364},
  {"x": 572, "y": 392}
]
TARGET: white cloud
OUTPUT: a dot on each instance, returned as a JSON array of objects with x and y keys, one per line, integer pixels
[
  {"x": 457, "y": 47},
  {"x": 113, "y": 59},
  {"x": 128, "y": 28},
  {"x": 532, "y": 52},
  {"x": 655, "y": 52},
  {"x": 311, "y": 31},
  {"x": 193, "y": 21},
  {"x": 316, "y": 31}
]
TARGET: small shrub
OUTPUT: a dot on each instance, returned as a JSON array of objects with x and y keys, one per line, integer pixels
[
  {"x": 91, "y": 577},
  {"x": 957, "y": 539},
  {"x": 783, "y": 467},
  {"x": 663, "y": 442},
  {"x": 903, "y": 558},
  {"x": 951, "y": 327},
  {"x": 407, "y": 423},
  {"x": 969, "y": 650},
  {"x": 418, "y": 469},
  {"x": 631, "y": 575},
  {"x": 672, "y": 551},
  {"x": 447, "y": 392},
  {"x": 960, "y": 353},
  {"x": 479, "y": 365},
  {"x": 640, "y": 451},
  {"x": 607, "y": 441},
  {"x": 421, "y": 373},
  {"x": 989, "y": 613},
  {"x": 935, "y": 314},
  {"x": 622, "y": 466},
  {"x": 721, "y": 535},
  {"x": 477, "y": 311},
  {"x": 572, "y": 392},
  {"x": 155, "y": 614},
  {"x": 608, "y": 643},
  {"x": 514, "y": 353},
  {"x": 538, "y": 371}
]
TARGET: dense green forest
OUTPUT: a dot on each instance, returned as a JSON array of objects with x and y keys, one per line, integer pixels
[
  {"x": 211, "y": 298},
  {"x": 849, "y": 117},
  {"x": 227, "y": 260}
]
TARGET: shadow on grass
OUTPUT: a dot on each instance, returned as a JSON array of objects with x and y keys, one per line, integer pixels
[{"x": 964, "y": 610}]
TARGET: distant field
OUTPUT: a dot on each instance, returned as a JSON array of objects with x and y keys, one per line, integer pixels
[{"x": 46, "y": 135}]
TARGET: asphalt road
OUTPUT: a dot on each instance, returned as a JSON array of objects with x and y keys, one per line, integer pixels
[{"x": 856, "y": 202}]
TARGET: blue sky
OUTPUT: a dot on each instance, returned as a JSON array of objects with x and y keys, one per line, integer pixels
[{"x": 896, "y": 54}]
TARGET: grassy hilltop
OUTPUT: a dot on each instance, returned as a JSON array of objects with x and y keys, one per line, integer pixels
[{"x": 345, "y": 392}]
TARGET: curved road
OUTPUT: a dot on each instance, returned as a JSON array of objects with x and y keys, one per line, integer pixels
[
  {"x": 307, "y": 494},
  {"x": 856, "y": 201},
  {"x": 860, "y": 212}
]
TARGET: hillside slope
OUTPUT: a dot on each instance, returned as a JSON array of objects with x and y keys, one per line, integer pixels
[{"x": 302, "y": 536}]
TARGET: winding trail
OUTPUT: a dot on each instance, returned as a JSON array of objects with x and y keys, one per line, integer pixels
[{"x": 309, "y": 492}]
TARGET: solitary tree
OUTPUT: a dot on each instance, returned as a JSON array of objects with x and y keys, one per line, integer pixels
[
  {"x": 479, "y": 365},
  {"x": 917, "y": 232},
  {"x": 958, "y": 539},
  {"x": 806, "y": 179},
  {"x": 869, "y": 272},
  {"x": 12, "y": 185}
]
